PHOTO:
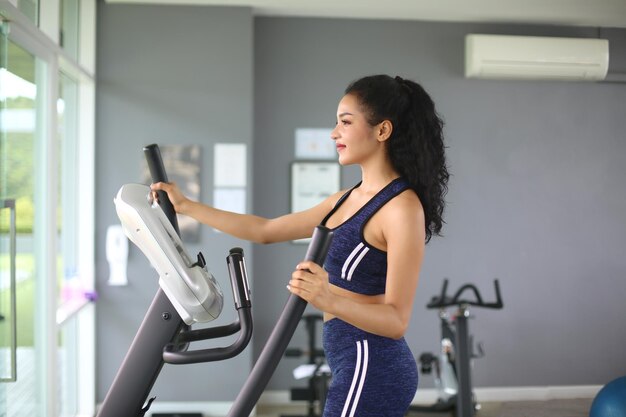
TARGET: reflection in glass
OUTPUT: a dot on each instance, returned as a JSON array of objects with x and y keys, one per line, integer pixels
[
  {"x": 30, "y": 9},
  {"x": 69, "y": 25},
  {"x": 20, "y": 132}
]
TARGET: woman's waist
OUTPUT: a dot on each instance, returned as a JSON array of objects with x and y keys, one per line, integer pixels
[{"x": 339, "y": 335}]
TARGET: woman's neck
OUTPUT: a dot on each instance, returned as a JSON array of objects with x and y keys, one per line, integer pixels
[{"x": 375, "y": 177}]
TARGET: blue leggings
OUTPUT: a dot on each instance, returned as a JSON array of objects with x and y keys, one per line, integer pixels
[{"x": 372, "y": 376}]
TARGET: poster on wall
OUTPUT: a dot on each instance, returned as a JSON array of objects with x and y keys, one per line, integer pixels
[
  {"x": 311, "y": 183},
  {"x": 182, "y": 164}
]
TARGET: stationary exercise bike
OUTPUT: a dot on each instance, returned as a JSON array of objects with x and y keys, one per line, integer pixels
[
  {"x": 189, "y": 294},
  {"x": 452, "y": 365}
]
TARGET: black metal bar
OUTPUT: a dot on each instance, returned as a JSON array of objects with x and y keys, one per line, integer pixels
[
  {"x": 158, "y": 174},
  {"x": 170, "y": 355},
  {"x": 444, "y": 301},
  {"x": 281, "y": 335},
  {"x": 243, "y": 305},
  {"x": 464, "y": 404},
  {"x": 144, "y": 359},
  {"x": 208, "y": 333}
]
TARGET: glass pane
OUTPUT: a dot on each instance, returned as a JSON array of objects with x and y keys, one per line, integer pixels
[
  {"x": 30, "y": 8},
  {"x": 69, "y": 27},
  {"x": 7, "y": 254},
  {"x": 7, "y": 292},
  {"x": 20, "y": 132},
  {"x": 70, "y": 290}
]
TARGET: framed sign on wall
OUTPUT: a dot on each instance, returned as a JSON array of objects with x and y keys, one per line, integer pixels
[{"x": 311, "y": 183}]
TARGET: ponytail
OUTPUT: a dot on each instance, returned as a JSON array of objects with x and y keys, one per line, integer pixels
[{"x": 415, "y": 147}]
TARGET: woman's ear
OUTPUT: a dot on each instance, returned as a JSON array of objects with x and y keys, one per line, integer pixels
[{"x": 384, "y": 130}]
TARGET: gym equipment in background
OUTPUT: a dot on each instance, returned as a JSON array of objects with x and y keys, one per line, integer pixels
[
  {"x": 452, "y": 365},
  {"x": 610, "y": 400},
  {"x": 189, "y": 294},
  {"x": 316, "y": 370}
]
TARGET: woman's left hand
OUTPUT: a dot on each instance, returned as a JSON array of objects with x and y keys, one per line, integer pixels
[{"x": 310, "y": 282}]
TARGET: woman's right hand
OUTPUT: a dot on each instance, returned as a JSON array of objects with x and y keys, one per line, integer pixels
[{"x": 176, "y": 197}]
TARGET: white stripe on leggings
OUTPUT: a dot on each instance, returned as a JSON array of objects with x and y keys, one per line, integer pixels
[
  {"x": 362, "y": 381},
  {"x": 355, "y": 378}
]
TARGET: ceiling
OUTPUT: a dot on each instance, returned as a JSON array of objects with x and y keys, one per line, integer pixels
[{"x": 594, "y": 13}]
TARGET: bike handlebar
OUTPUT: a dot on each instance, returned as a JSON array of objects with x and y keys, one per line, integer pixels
[{"x": 443, "y": 300}]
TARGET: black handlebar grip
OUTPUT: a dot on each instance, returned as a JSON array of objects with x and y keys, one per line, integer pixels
[
  {"x": 238, "y": 278},
  {"x": 158, "y": 174},
  {"x": 320, "y": 243}
]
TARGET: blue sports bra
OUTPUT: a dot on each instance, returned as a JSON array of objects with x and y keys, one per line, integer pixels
[{"x": 352, "y": 263}]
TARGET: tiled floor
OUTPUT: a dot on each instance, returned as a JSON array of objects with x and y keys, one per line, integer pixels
[{"x": 551, "y": 408}]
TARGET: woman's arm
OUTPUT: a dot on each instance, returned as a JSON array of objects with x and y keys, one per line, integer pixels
[
  {"x": 247, "y": 226},
  {"x": 404, "y": 234}
]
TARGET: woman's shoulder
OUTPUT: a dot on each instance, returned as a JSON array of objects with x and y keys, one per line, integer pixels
[{"x": 404, "y": 205}]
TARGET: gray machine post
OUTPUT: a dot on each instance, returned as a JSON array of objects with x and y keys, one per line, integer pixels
[
  {"x": 465, "y": 401},
  {"x": 144, "y": 359}
]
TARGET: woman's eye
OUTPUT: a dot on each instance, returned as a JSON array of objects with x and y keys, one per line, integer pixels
[{"x": 345, "y": 122}]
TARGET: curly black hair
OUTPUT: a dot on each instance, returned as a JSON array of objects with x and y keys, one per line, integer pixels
[{"x": 416, "y": 147}]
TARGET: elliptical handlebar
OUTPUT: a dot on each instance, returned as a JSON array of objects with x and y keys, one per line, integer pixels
[
  {"x": 158, "y": 174},
  {"x": 281, "y": 335},
  {"x": 177, "y": 352},
  {"x": 445, "y": 301},
  {"x": 168, "y": 319},
  {"x": 174, "y": 354}
]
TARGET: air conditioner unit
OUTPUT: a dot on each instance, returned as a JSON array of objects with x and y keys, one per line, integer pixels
[{"x": 536, "y": 58}]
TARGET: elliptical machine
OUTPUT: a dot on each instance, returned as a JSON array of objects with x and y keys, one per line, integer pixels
[
  {"x": 189, "y": 294},
  {"x": 452, "y": 365}
]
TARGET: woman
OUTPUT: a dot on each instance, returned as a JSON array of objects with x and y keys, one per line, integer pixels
[{"x": 389, "y": 127}]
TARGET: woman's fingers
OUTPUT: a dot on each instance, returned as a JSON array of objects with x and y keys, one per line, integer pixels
[
  {"x": 173, "y": 193},
  {"x": 310, "y": 266},
  {"x": 309, "y": 278}
]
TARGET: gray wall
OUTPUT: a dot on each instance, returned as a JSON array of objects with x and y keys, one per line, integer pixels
[
  {"x": 536, "y": 198},
  {"x": 168, "y": 75}
]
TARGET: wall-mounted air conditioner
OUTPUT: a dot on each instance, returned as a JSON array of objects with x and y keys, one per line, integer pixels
[{"x": 532, "y": 57}]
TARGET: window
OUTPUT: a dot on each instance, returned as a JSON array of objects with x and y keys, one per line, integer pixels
[{"x": 47, "y": 173}]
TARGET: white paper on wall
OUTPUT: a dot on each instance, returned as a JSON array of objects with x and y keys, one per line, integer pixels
[
  {"x": 230, "y": 199},
  {"x": 312, "y": 143},
  {"x": 229, "y": 165}
]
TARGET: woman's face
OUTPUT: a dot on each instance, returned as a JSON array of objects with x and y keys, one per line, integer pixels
[{"x": 354, "y": 137}]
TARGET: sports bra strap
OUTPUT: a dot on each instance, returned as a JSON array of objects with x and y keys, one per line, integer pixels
[{"x": 339, "y": 203}]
